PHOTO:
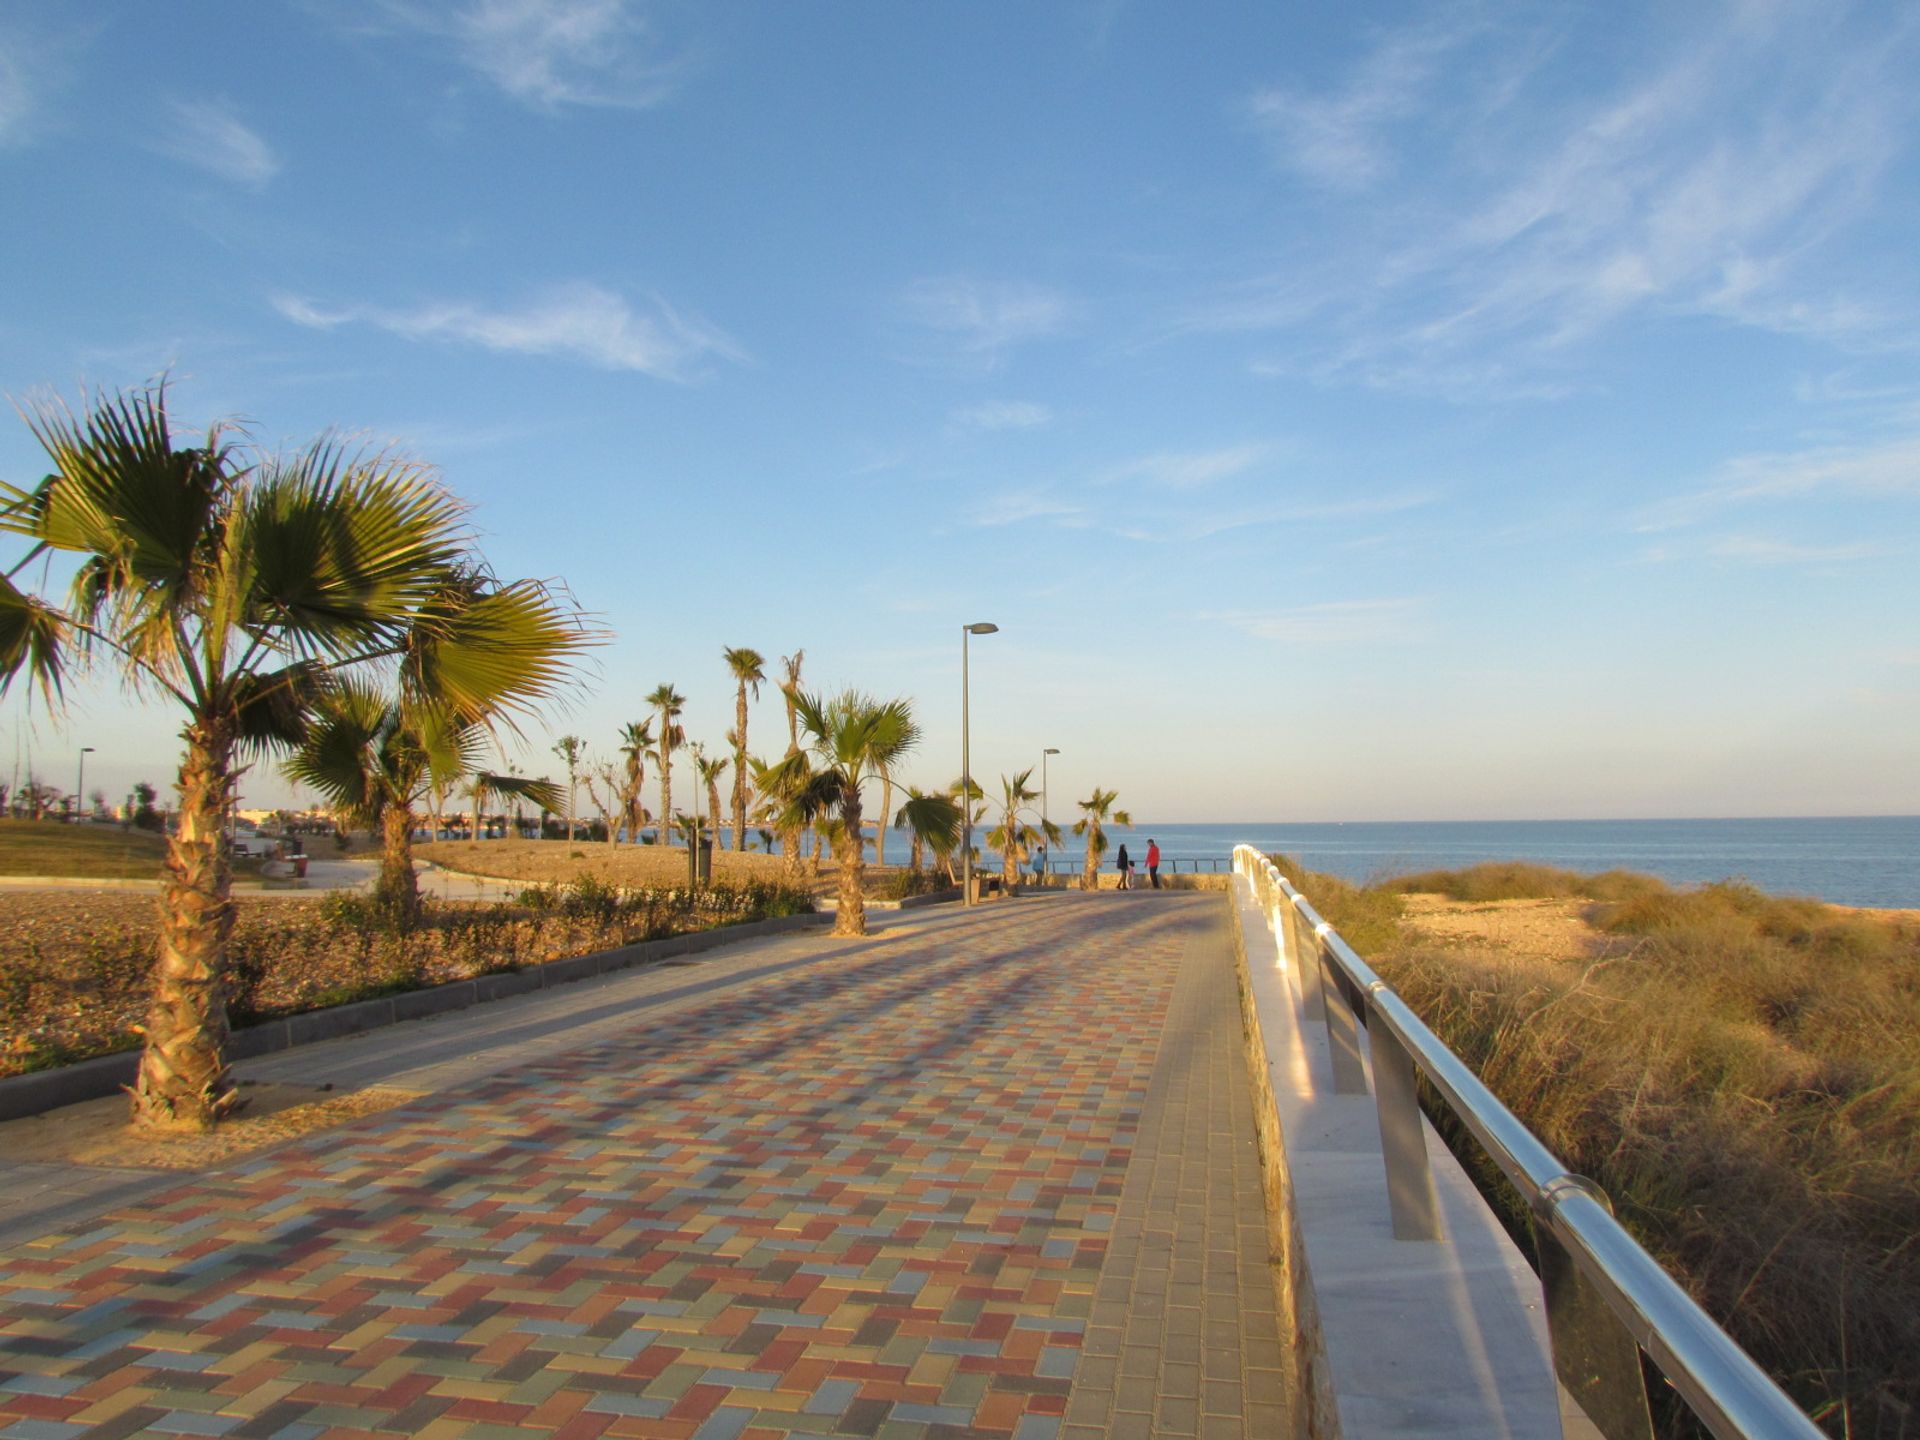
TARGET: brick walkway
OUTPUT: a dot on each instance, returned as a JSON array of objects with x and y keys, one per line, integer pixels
[{"x": 968, "y": 1179}]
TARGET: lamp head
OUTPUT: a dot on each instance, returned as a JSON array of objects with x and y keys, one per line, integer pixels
[
  {"x": 982, "y": 627},
  {"x": 1050, "y": 751}
]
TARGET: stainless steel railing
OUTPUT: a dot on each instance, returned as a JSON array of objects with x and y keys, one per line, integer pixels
[{"x": 1607, "y": 1300}]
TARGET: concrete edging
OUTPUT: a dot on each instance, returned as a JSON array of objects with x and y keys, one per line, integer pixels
[{"x": 43, "y": 1090}]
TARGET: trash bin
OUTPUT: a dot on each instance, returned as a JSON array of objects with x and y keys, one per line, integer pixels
[{"x": 699, "y": 862}]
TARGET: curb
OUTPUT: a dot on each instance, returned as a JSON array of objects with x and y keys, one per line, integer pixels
[
  {"x": 830, "y": 905},
  {"x": 43, "y": 1090}
]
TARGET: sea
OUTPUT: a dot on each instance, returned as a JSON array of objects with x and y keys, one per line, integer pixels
[{"x": 1847, "y": 860}]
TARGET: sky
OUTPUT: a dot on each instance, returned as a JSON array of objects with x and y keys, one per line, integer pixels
[{"x": 1406, "y": 411}]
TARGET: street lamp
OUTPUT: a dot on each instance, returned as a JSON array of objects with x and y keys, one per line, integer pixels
[
  {"x": 80, "y": 781},
  {"x": 979, "y": 627},
  {"x": 1050, "y": 750}
]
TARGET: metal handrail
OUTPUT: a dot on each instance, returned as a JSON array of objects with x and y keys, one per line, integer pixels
[{"x": 1731, "y": 1395}]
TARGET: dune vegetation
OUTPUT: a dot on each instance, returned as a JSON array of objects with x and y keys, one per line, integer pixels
[{"x": 1740, "y": 1072}]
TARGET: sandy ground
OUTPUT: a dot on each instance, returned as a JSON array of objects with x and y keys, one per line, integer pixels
[
  {"x": 96, "y": 1132},
  {"x": 1547, "y": 929}
]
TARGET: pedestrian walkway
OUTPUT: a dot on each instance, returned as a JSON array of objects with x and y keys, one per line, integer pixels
[{"x": 985, "y": 1173}]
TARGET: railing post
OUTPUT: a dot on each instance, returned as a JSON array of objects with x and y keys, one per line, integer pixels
[
  {"x": 1403, "y": 1138},
  {"x": 1603, "y": 1390},
  {"x": 1305, "y": 949},
  {"x": 1343, "y": 1025}
]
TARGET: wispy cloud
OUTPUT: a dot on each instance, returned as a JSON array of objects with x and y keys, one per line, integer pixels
[
  {"x": 1528, "y": 214},
  {"x": 1763, "y": 551},
  {"x": 580, "y": 322},
  {"x": 554, "y": 53},
  {"x": 1188, "y": 470},
  {"x": 1760, "y": 550},
  {"x": 1336, "y": 623},
  {"x": 1338, "y": 138},
  {"x": 35, "y": 60},
  {"x": 1022, "y": 509},
  {"x": 983, "y": 319},
  {"x": 1889, "y": 469},
  {"x": 208, "y": 134},
  {"x": 1003, "y": 415}
]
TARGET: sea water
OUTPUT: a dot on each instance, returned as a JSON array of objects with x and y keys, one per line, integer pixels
[{"x": 1861, "y": 860}]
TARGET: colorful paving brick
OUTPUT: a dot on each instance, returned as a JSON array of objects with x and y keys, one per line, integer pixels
[{"x": 872, "y": 1197}]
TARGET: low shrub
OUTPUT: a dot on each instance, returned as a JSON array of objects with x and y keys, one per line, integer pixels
[{"x": 1523, "y": 880}]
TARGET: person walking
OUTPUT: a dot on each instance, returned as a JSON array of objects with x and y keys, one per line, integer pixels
[
  {"x": 1153, "y": 862},
  {"x": 1039, "y": 862},
  {"x": 1125, "y": 867}
]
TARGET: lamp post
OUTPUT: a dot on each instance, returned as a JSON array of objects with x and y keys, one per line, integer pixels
[
  {"x": 979, "y": 627},
  {"x": 1050, "y": 750},
  {"x": 80, "y": 782}
]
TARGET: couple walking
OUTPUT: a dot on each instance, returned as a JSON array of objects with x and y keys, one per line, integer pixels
[{"x": 1125, "y": 865}]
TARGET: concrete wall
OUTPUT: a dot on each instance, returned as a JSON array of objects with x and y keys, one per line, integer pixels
[{"x": 1393, "y": 1338}]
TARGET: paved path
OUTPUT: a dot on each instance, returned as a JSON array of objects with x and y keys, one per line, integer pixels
[{"x": 986, "y": 1174}]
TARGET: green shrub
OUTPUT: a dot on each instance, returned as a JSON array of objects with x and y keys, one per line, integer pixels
[{"x": 904, "y": 884}]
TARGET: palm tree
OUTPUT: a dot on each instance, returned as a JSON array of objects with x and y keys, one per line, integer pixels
[
  {"x": 789, "y": 688},
  {"x": 934, "y": 821},
  {"x": 976, "y": 800},
  {"x": 235, "y": 581},
  {"x": 1093, "y": 826},
  {"x": 669, "y": 702},
  {"x": 749, "y": 669},
  {"x": 886, "y": 774},
  {"x": 374, "y": 757},
  {"x": 853, "y": 736},
  {"x": 780, "y": 785},
  {"x": 570, "y": 748},
  {"x": 710, "y": 769},
  {"x": 636, "y": 740},
  {"x": 1014, "y": 837}
]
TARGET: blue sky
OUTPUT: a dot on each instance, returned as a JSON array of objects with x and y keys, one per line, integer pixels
[{"x": 1418, "y": 412}]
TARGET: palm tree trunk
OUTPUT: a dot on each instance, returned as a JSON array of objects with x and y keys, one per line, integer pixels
[
  {"x": 666, "y": 800},
  {"x": 740, "y": 771},
  {"x": 790, "y": 853},
  {"x": 919, "y": 853},
  {"x": 886, "y": 809},
  {"x": 851, "y": 919},
  {"x": 184, "y": 1082},
  {"x": 1092, "y": 879},
  {"x": 397, "y": 889}
]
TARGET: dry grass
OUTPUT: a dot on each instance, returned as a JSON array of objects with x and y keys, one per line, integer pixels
[
  {"x": 1741, "y": 1073},
  {"x": 93, "y": 852}
]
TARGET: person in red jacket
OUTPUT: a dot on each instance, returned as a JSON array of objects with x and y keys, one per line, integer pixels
[{"x": 1153, "y": 862}]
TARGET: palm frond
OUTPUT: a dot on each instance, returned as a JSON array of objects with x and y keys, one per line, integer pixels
[
  {"x": 493, "y": 651},
  {"x": 33, "y": 638},
  {"x": 541, "y": 791},
  {"x": 342, "y": 547}
]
